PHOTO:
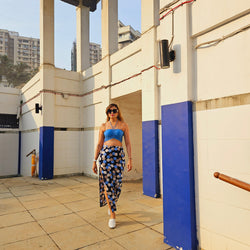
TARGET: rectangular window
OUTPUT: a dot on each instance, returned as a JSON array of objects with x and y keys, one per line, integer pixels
[{"x": 9, "y": 121}]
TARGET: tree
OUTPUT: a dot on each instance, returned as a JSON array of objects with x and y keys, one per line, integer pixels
[
  {"x": 15, "y": 74},
  {"x": 5, "y": 66},
  {"x": 18, "y": 74}
]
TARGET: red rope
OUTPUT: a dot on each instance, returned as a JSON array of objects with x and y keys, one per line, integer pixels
[{"x": 176, "y": 7}]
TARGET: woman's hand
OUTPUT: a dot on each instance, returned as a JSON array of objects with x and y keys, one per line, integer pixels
[
  {"x": 94, "y": 167},
  {"x": 129, "y": 165}
]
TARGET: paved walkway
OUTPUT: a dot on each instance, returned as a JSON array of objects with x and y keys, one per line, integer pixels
[{"x": 64, "y": 213}]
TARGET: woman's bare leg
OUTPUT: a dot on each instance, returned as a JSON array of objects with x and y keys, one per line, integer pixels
[{"x": 112, "y": 214}]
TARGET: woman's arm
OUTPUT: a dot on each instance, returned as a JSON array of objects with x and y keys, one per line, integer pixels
[
  {"x": 98, "y": 148},
  {"x": 128, "y": 146}
]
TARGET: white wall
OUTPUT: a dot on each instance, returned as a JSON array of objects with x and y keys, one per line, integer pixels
[
  {"x": 9, "y": 153},
  {"x": 30, "y": 94},
  {"x": 29, "y": 142},
  {"x": 221, "y": 126},
  {"x": 30, "y": 121},
  {"x": 131, "y": 109},
  {"x": 222, "y": 145},
  {"x": 67, "y": 152},
  {"x": 222, "y": 139},
  {"x": 9, "y": 100},
  {"x": 9, "y": 138}
]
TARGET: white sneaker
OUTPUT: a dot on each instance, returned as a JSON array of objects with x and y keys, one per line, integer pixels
[{"x": 112, "y": 223}]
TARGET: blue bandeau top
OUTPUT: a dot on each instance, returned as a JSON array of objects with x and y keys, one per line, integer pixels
[{"x": 113, "y": 134}]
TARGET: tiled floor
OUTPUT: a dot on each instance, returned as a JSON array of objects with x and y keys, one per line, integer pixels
[{"x": 64, "y": 213}]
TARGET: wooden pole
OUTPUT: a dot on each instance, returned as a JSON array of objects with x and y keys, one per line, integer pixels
[{"x": 232, "y": 181}]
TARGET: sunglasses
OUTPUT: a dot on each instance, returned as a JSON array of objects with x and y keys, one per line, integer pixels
[{"x": 114, "y": 111}]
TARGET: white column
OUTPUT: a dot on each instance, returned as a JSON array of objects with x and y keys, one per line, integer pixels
[
  {"x": 47, "y": 32},
  {"x": 150, "y": 96},
  {"x": 82, "y": 37},
  {"x": 109, "y": 27},
  {"x": 149, "y": 14}
]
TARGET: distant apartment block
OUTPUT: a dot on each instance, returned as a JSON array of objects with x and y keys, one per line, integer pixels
[
  {"x": 95, "y": 54},
  {"x": 19, "y": 48},
  {"x": 73, "y": 57},
  {"x": 126, "y": 35}
]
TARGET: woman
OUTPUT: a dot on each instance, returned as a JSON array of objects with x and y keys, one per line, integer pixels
[{"x": 112, "y": 159}]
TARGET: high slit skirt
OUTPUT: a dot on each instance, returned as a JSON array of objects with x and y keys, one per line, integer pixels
[{"x": 111, "y": 166}]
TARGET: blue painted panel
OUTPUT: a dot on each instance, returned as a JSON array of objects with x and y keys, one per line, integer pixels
[
  {"x": 19, "y": 153},
  {"x": 150, "y": 141},
  {"x": 178, "y": 176},
  {"x": 46, "y": 153}
]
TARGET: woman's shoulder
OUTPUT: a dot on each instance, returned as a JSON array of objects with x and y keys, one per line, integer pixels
[
  {"x": 123, "y": 125},
  {"x": 103, "y": 126}
]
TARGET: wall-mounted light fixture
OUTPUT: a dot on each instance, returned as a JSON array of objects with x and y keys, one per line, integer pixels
[
  {"x": 166, "y": 56},
  {"x": 37, "y": 108}
]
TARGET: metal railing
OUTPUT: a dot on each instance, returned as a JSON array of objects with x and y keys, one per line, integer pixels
[{"x": 233, "y": 181}]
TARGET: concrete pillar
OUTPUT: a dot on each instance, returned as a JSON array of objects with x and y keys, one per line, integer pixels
[
  {"x": 47, "y": 32},
  {"x": 109, "y": 27},
  {"x": 82, "y": 37},
  {"x": 149, "y": 14},
  {"x": 47, "y": 70},
  {"x": 150, "y": 98},
  {"x": 149, "y": 22},
  {"x": 179, "y": 210}
]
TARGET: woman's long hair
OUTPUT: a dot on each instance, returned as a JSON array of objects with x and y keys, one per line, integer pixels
[{"x": 119, "y": 117}]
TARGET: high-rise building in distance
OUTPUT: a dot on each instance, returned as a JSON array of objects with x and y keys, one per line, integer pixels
[
  {"x": 95, "y": 54},
  {"x": 126, "y": 35},
  {"x": 19, "y": 48}
]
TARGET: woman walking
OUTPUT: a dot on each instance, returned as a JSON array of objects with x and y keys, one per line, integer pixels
[{"x": 112, "y": 159}]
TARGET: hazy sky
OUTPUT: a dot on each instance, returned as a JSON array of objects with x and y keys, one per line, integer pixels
[{"x": 23, "y": 17}]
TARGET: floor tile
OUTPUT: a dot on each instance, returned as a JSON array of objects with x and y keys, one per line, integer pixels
[
  {"x": 33, "y": 197},
  {"x": 70, "y": 198},
  {"x": 142, "y": 239},
  {"x": 10, "y": 205},
  {"x": 15, "y": 219},
  {"x": 85, "y": 204},
  {"x": 79, "y": 185},
  {"x": 104, "y": 245},
  {"x": 90, "y": 181},
  {"x": 67, "y": 209},
  {"x": 86, "y": 188},
  {"x": 48, "y": 212},
  {"x": 6, "y": 195},
  {"x": 124, "y": 225},
  {"x": 78, "y": 237},
  {"x": 59, "y": 191},
  {"x": 158, "y": 228},
  {"x": 22, "y": 191},
  {"x": 148, "y": 217},
  {"x": 3, "y": 189},
  {"x": 150, "y": 202},
  {"x": 48, "y": 202},
  {"x": 42, "y": 242},
  {"x": 20, "y": 232},
  {"x": 65, "y": 181},
  {"x": 94, "y": 214},
  {"x": 15, "y": 182},
  {"x": 61, "y": 223}
]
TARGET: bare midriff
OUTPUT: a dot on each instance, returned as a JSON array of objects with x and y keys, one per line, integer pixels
[{"x": 113, "y": 142}]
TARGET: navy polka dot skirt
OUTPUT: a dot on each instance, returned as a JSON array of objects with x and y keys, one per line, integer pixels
[{"x": 112, "y": 162}]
